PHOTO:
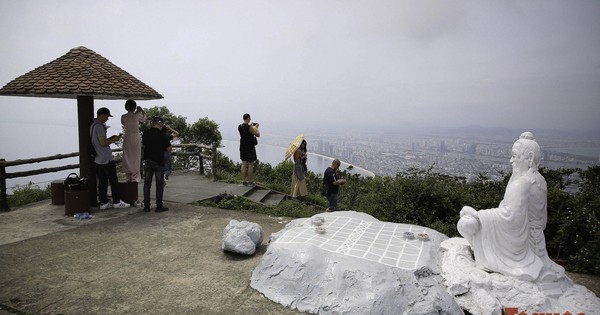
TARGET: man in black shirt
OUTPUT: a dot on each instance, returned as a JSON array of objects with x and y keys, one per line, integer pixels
[
  {"x": 155, "y": 143},
  {"x": 331, "y": 185},
  {"x": 248, "y": 134}
]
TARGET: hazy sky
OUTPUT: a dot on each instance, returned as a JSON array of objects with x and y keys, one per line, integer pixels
[{"x": 521, "y": 64}]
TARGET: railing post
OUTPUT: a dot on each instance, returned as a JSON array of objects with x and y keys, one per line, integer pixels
[
  {"x": 3, "y": 198},
  {"x": 200, "y": 161},
  {"x": 214, "y": 160}
]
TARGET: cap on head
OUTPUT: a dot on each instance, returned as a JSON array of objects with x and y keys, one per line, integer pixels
[
  {"x": 157, "y": 119},
  {"x": 103, "y": 111}
]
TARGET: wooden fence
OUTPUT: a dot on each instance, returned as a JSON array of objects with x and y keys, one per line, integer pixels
[{"x": 198, "y": 150}]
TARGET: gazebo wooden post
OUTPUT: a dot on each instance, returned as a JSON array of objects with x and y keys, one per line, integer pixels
[{"x": 85, "y": 117}]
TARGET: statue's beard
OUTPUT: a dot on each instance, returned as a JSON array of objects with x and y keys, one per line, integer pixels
[{"x": 516, "y": 173}]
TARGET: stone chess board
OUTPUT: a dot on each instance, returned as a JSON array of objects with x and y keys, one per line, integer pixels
[{"x": 381, "y": 242}]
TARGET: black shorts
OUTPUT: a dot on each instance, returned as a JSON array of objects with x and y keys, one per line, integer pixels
[{"x": 248, "y": 154}]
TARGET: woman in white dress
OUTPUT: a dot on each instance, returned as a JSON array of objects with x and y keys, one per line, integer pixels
[{"x": 132, "y": 141}]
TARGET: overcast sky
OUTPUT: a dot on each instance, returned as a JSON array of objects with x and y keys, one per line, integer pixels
[{"x": 517, "y": 64}]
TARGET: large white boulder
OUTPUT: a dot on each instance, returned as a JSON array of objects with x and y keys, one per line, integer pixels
[{"x": 352, "y": 263}]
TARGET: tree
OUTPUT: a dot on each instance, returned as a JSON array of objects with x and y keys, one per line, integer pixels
[
  {"x": 204, "y": 131},
  {"x": 178, "y": 123}
]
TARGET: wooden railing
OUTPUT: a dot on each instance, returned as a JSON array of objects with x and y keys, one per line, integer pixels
[{"x": 200, "y": 152}]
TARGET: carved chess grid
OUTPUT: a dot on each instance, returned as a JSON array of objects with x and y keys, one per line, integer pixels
[{"x": 374, "y": 241}]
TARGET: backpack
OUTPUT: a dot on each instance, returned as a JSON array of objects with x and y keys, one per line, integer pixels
[{"x": 91, "y": 148}]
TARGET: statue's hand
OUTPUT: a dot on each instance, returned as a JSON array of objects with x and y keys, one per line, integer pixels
[{"x": 466, "y": 210}]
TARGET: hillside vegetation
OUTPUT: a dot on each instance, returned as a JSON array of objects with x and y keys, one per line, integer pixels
[{"x": 434, "y": 200}]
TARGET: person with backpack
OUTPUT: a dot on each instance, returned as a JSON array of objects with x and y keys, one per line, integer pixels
[{"x": 106, "y": 169}]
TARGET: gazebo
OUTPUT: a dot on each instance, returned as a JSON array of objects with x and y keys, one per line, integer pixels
[{"x": 84, "y": 75}]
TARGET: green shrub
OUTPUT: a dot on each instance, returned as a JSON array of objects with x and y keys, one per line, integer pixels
[
  {"x": 287, "y": 208},
  {"x": 434, "y": 200},
  {"x": 26, "y": 194}
]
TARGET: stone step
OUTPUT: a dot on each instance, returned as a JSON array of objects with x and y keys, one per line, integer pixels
[
  {"x": 273, "y": 198},
  {"x": 257, "y": 194}
]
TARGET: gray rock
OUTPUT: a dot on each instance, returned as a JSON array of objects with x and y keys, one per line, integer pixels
[
  {"x": 360, "y": 265},
  {"x": 242, "y": 237}
]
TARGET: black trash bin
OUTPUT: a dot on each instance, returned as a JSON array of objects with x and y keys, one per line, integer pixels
[{"x": 77, "y": 201}]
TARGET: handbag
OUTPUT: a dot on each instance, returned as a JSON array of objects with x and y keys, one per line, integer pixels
[{"x": 74, "y": 182}]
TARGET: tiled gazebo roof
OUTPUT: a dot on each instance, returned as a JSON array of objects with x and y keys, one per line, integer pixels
[{"x": 80, "y": 72}]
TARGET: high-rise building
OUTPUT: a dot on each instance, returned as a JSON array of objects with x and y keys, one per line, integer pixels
[{"x": 443, "y": 148}]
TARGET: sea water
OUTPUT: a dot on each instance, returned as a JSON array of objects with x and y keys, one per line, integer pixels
[{"x": 274, "y": 155}]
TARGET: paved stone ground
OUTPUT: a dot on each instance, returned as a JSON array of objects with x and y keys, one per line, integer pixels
[{"x": 135, "y": 263}]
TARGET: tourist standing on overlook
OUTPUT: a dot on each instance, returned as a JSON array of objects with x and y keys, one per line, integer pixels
[
  {"x": 155, "y": 142},
  {"x": 248, "y": 141},
  {"x": 298, "y": 177},
  {"x": 106, "y": 169},
  {"x": 331, "y": 185},
  {"x": 132, "y": 141}
]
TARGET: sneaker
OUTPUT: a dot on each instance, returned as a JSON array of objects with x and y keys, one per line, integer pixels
[
  {"x": 121, "y": 205},
  {"x": 245, "y": 183},
  {"x": 161, "y": 209},
  {"x": 104, "y": 206},
  {"x": 147, "y": 208}
]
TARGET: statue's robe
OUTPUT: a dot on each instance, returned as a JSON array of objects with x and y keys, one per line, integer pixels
[{"x": 511, "y": 239}]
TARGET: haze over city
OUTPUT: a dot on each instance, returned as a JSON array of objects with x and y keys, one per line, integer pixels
[{"x": 351, "y": 65}]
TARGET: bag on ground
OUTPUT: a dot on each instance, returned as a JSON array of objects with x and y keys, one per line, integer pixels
[{"x": 74, "y": 182}]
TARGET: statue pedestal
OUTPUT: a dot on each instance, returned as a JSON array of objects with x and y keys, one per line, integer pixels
[{"x": 482, "y": 292}]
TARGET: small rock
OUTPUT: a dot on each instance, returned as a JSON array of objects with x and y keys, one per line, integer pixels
[{"x": 242, "y": 237}]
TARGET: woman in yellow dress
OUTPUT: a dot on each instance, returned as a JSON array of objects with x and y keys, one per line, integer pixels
[{"x": 298, "y": 177}]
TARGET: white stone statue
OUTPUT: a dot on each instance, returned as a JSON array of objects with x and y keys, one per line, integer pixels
[{"x": 510, "y": 239}]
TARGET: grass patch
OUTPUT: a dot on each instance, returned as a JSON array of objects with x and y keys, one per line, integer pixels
[
  {"x": 26, "y": 194},
  {"x": 287, "y": 208}
]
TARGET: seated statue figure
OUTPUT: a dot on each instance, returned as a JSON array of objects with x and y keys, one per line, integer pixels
[{"x": 510, "y": 239}]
